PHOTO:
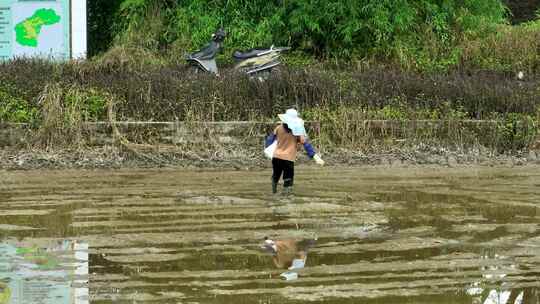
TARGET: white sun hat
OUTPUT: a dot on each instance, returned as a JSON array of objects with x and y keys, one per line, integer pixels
[{"x": 295, "y": 123}]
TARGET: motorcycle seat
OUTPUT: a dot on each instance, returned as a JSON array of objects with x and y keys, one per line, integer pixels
[
  {"x": 247, "y": 54},
  {"x": 207, "y": 53}
]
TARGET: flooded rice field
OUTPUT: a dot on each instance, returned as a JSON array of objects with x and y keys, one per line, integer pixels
[{"x": 365, "y": 235}]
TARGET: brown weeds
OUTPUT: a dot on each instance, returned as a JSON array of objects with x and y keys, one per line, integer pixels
[
  {"x": 511, "y": 48},
  {"x": 61, "y": 122},
  {"x": 342, "y": 100}
]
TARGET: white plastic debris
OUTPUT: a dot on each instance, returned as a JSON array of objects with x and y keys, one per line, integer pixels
[{"x": 289, "y": 275}]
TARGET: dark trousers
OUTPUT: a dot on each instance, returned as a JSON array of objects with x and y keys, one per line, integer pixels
[{"x": 285, "y": 167}]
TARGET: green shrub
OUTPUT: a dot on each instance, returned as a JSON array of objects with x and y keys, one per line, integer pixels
[
  {"x": 15, "y": 109},
  {"x": 516, "y": 132},
  {"x": 64, "y": 109},
  {"x": 511, "y": 48},
  {"x": 426, "y": 35},
  {"x": 90, "y": 103},
  {"x": 420, "y": 34},
  {"x": 101, "y": 13},
  {"x": 341, "y": 100},
  {"x": 151, "y": 91}
]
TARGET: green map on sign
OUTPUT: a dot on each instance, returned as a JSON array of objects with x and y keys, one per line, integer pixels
[{"x": 27, "y": 31}]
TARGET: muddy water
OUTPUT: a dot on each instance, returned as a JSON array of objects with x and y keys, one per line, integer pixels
[{"x": 383, "y": 236}]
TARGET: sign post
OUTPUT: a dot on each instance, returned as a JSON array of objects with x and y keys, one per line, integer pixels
[{"x": 79, "y": 32}]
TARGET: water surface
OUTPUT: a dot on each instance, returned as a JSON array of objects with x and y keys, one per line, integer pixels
[{"x": 396, "y": 235}]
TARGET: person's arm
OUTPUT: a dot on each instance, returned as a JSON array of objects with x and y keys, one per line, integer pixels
[
  {"x": 271, "y": 138},
  {"x": 310, "y": 151}
]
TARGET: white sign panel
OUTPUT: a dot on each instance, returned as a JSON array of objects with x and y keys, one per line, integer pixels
[{"x": 54, "y": 29}]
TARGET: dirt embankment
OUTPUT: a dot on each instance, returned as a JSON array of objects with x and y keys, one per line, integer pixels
[
  {"x": 243, "y": 159},
  {"x": 239, "y": 145}
]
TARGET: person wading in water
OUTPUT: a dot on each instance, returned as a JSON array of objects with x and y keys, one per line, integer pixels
[{"x": 286, "y": 138}]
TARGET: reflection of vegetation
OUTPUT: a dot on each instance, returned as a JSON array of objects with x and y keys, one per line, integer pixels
[
  {"x": 39, "y": 257},
  {"x": 5, "y": 293}
]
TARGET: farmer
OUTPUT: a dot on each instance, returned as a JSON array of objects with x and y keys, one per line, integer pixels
[{"x": 289, "y": 134}]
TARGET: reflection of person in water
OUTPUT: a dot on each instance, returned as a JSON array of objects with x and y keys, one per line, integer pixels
[
  {"x": 288, "y": 253},
  {"x": 525, "y": 296},
  {"x": 514, "y": 296}
]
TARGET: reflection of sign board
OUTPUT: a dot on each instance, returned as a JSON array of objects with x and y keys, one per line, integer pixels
[
  {"x": 54, "y": 29},
  {"x": 52, "y": 273}
]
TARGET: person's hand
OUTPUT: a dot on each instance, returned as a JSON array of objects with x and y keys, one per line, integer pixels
[{"x": 318, "y": 160}]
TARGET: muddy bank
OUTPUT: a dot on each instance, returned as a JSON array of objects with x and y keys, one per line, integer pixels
[{"x": 116, "y": 158}]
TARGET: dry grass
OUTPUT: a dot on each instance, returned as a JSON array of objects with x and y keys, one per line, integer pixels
[
  {"x": 61, "y": 122},
  {"x": 511, "y": 48}
]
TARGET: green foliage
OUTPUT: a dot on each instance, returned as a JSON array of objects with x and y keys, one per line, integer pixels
[
  {"x": 341, "y": 99},
  {"x": 298, "y": 59},
  {"x": 101, "y": 14},
  {"x": 90, "y": 103},
  {"x": 14, "y": 108},
  {"x": 516, "y": 132},
  {"x": 164, "y": 92},
  {"x": 424, "y": 35},
  {"x": 63, "y": 109},
  {"x": 390, "y": 127},
  {"x": 510, "y": 48},
  {"x": 418, "y": 34}
]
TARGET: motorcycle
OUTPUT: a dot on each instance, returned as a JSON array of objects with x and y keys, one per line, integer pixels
[{"x": 251, "y": 62}]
